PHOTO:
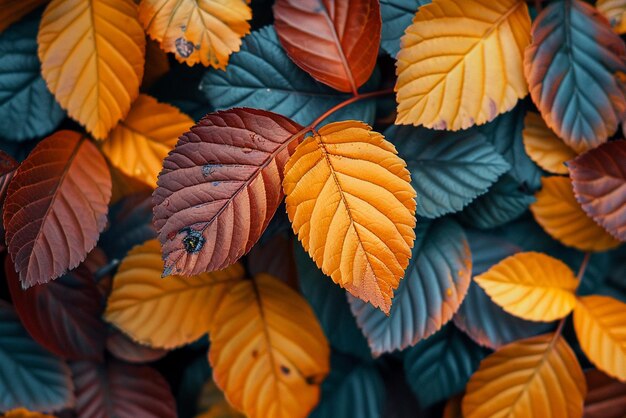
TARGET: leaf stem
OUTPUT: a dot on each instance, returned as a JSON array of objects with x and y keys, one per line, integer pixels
[
  {"x": 579, "y": 276},
  {"x": 345, "y": 103}
]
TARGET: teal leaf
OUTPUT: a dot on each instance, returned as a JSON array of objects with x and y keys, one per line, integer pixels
[
  {"x": 352, "y": 389},
  {"x": 431, "y": 291},
  {"x": 329, "y": 303},
  {"x": 27, "y": 109},
  {"x": 485, "y": 322},
  {"x": 448, "y": 169},
  {"x": 262, "y": 76},
  {"x": 397, "y": 15},
  {"x": 503, "y": 203},
  {"x": 570, "y": 67},
  {"x": 194, "y": 376},
  {"x": 30, "y": 376},
  {"x": 505, "y": 133},
  {"x": 441, "y": 365}
]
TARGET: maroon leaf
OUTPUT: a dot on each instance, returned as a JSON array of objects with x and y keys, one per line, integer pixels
[
  {"x": 7, "y": 169},
  {"x": 606, "y": 397},
  {"x": 335, "y": 41},
  {"x": 126, "y": 349},
  {"x": 56, "y": 207},
  {"x": 64, "y": 316},
  {"x": 274, "y": 257},
  {"x": 120, "y": 390},
  {"x": 220, "y": 187},
  {"x": 599, "y": 180}
]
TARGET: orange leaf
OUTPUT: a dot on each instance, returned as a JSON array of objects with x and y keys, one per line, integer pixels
[
  {"x": 24, "y": 413},
  {"x": 561, "y": 216},
  {"x": 543, "y": 146},
  {"x": 92, "y": 58},
  {"x": 350, "y": 200},
  {"x": 138, "y": 144},
  {"x": 205, "y": 31},
  {"x": 267, "y": 351},
  {"x": 535, "y": 377},
  {"x": 56, "y": 207},
  {"x": 600, "y": 324},
  {"x": 13, "y": 10}
]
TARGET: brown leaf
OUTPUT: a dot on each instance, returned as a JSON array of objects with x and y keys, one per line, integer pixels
[
  {"x": 335, "y": 41},
  {"x": 606, "y": 397},
  {"x": 220, "y": 187},
  {"x": 56, "y": 207},
  {"x": 7, "y": 169}
]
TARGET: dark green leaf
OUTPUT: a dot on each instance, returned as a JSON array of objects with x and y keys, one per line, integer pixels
[
  {"x": 448, "y": 169},
  {"x": 432, "y": 289}
]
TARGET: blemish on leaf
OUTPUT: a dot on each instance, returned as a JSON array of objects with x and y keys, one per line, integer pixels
[
  {"x": 194, "y": 240},
  {"x": 493, "y": 109},
  {"x": 184, "y": 47},
  {"x": 216, "y": 183},
  {"x": 448, "y": 292},
  {"x": 208, "y": 169},
  {"x": 441, "y": 125},
  {"x": 285, "y": 370}
]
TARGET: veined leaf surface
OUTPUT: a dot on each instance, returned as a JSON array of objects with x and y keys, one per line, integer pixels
[{"x": 544, "y": 147}]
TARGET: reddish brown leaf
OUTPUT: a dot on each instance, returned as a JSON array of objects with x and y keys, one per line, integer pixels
[
  {"x": 335, "y": 41},
  {"x": 126, "y": 349},
  {"x": 606, "y": 397},
  {"x": 7, "y": 169},
  {"x": 599, "y": 180},
  {"x": 56, "y": 207},
  {"x": 64, "y": 316},
  {"x": 274, "y": 257},
  {"x": 220, "y": 187},
  {"x": 120, "y": 390}
]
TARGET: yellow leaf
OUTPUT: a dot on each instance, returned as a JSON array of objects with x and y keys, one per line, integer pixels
[
  {"x": 24, "y": 413},
  {"x": 213, "y": 403},
  {"x": 138, "y": 144},
  {"x": 267, "y": 351},
  {"x": 544, "y": 147},
  {"x": 13, "y": 10},
  {"x": 165, "y": 312},
  {"x": 461, "y": 63},
  {"x": 124, "y": 185},
  {"x": 532, "y": 286},
  {"x": 350, "y": 201},
  {"x": 615, "y": 11},
  {"x": 600, "y": 324},
  {"x": 205, "y": 31},
  {"x": 561, "y": 216},
  {"x": 535, "y": 377},
  {"x": 92, "y": 58}
]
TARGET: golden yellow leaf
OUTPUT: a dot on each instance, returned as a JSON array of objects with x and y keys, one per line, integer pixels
[
  {"x": 600, "y": 324},
  {"x": 615, "y": 11},
  {"x": 268, "y": 352},
  {"x": 461, "y": 63},
  {"x": 535, "y": 377},
  {"x": 205, "y": 31},
  {"x": 92, "y": 58},
  {"x": 543, "y": 146},
  {"x": 350, "y": 201},
  {"x": 24, "y": 413},
  {"x": 532, "y": 286},
  {"x": 165, "y": 312},
  {"x": 124, "y": 185},
  {"x": 561, "y": 216},
  {"x": 138, "y": 144},
  {"x": 13, "y": 10}
]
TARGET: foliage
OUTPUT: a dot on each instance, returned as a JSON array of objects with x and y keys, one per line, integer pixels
[{"x": 388, "y": 208}]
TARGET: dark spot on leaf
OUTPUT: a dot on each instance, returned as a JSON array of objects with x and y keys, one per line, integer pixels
[
  {"x": 184, "y": 47},
  {"x": 255, "y": 353},
  {"x": 246, "y": 150},
  {"x": 194, "y": 240},
  {"x": 183, "y": 28},
  {"x": 493, "y": 109},
  {"x": 285, "y": 370},
  {"x": 216, "y": 183},
  {"x": 313, "y": 380},
  {"x": 208, "y": 169}
]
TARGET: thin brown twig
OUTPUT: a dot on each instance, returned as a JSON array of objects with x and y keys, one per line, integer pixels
[{"x": 579, "y": 276}]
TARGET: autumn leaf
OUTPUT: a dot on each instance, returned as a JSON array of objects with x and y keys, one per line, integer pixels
[
  {"x": 64, "y": 186},
  {"x": 139, "y": 143},
  {"x": 336, "y": 42},
  {"x": 561, "y": 216},
  {"x": 157, "y": 65},
  {"x": 563, "y": 67},
  {"x": 444, "y": 79},
  {"x": 25, "y": 413},
  {"x": 197, "y": 31},
  {"x": 544, "y": 147},
  {"x": 599, "y": 180},
  {"x": 124, "y": 348},
  {"x": 614, "y": 11},
  {"x": 222, "y": 179},
  {"x": 599, "y": 325},
  {"x": 169, "y": 312},
  {"x": 532, "y": 286},
  {"x": 535, "y": 377},
  {"x": 606, "y": 397},
  {"x": 92, "y": 67},
  {"x": 268, "y": 352},
  {"x": 14, "y": 10},
  {"x": 350, "y": 202}
]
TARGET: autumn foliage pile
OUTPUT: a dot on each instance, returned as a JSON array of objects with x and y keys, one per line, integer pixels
[{"x": 390, "y": 208}]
